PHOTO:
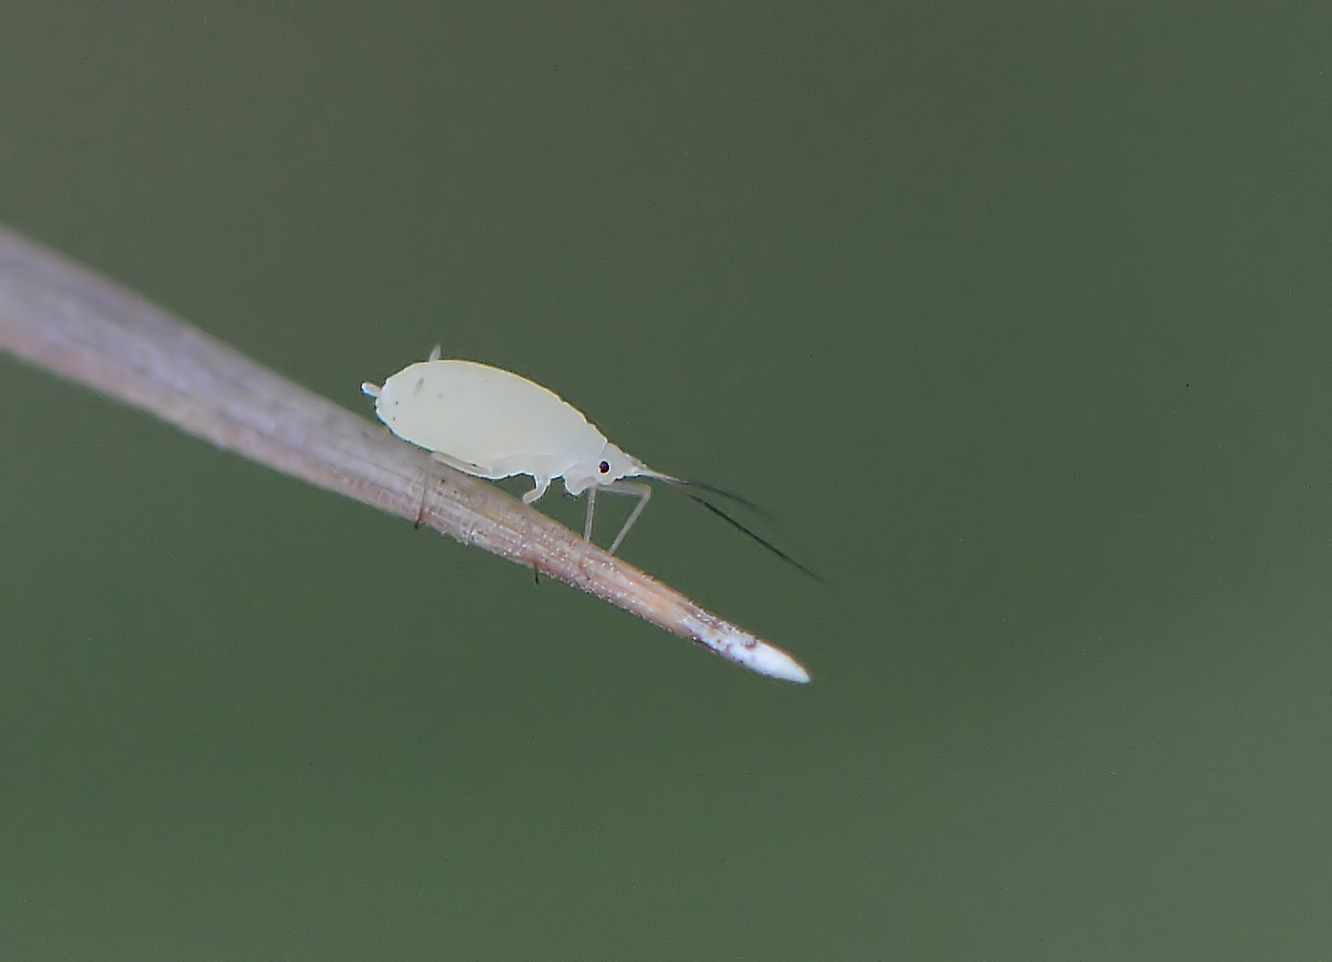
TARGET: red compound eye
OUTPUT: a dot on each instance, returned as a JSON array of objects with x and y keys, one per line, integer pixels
[{"x": 605, "y": 467}]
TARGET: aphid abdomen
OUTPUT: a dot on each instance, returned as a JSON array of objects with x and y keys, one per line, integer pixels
[{"x": 498, "y": 422}]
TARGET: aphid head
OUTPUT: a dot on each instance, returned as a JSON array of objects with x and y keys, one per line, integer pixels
[{"x": 610, "y": 466}]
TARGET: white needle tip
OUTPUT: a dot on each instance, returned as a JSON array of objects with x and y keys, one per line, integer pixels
[
  {"x": 776, "y": 663},
  {"x": 745, "y": 650}
]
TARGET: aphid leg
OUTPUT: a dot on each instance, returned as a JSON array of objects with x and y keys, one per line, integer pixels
[
  {"x": 434, "y": 353},
  {"x": 425, "y": 489},
  {"x": 643, "y": 491},
  {"x": 591, "y": 507},
  {"x": 541, "y": 485}
]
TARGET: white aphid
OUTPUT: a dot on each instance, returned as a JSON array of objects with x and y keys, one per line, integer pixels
[{"x": 494, "y": 424}]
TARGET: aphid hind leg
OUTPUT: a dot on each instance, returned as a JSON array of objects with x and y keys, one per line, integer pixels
[
  {"x": 425, "y": 491},
  {"x": 420, "y": 510}
]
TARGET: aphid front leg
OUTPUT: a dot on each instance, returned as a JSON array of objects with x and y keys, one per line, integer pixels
[
  {"x": 643, "y": 491},
  {"x": 591, "y": 507}
]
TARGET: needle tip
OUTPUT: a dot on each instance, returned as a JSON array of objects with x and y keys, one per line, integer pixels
[
  {"x": 776, "y": 663},
  {"x": 771, "y": 661},
  {"x": 739, "y": 646}
]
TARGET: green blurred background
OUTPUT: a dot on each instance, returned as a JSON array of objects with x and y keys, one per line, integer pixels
[{"x": 1016, "y": 319}]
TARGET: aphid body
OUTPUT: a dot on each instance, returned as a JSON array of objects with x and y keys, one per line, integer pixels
[{"x": 493, "y": 424}]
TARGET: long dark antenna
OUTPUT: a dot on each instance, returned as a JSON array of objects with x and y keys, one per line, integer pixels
[
  {"x": 713, "y": 489},
  {"x": 686, "y": 485}
]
